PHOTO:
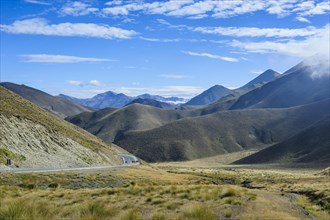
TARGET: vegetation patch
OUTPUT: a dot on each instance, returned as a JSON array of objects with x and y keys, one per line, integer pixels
[
  {"x": 7, "y": 154},
  {"x": 149, "y": 193}
]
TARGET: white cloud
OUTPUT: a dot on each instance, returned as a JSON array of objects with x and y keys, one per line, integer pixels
[
  {"x": 217, "y": 8},
  {"x": 37, "y": 2},
  {"x": 93, "y": 82},
  {"x": 302, "y": 19},
  {"x": 116, "y": 11},
  {"x": 165, "y": 91},
  {"x": 212, "y": 56},
  {"x": 318, "y": 9},
  {"x": 256, "y": 71},
  {"x": 114, "y": 2},
  {"x": 49, "y": 58},
  {"x": 166, "y": 23},
  {"x": 318, "y": 65},
  {"x": 160, "y": 40},
  {"x": 75, "y": 83},
  {"x": 196, "y": 9},
  {"x": 77, "y": 9},
  {"x": 42, "y": 27},
  {"x": 225, "y": 9},
  {"x": 281, "y": 8},
  {"x": 316, "y": 44},
  {"x": 257, "y": 32},
  {"x": 174, "y": 76}
]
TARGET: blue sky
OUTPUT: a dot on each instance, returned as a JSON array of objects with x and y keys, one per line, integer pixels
[{"x": 169, "y": 48}]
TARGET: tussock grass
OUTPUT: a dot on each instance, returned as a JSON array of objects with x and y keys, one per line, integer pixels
[
  {"x": 154, "y": 193},
  {"x": 158, "y": 216},
  {"x": 20, "y": 209},
  {"x": 229, "y": 192},
  {"x": 200, "y": 212},
  {"x": 97, "y": 210},
  {"x": 132, "y": 214}
]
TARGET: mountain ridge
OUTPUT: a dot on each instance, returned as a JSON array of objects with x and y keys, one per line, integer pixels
[
  {"x": 209, "y": 96},
  {"x": 56, "y": 105},
  {"x": 264, "y": 77},
  {"x": 111, "y": 99}
]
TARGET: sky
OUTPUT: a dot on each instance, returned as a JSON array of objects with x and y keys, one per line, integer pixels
[{"x": 169, "y": 48}]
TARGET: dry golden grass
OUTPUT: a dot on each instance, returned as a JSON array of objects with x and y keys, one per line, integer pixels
[{"x": 156, "y": 194}]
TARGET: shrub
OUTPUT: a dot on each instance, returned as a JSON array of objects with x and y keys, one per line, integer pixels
[
  {"x": 173, "y": 205},
  {"x": 200, "y": 212},
  {"x": 229, "y": 193},
  {"x": 53, "y": 185},
  {"x": 96, "y": 210},
  {"x": 27, "y": 185},
  {"x": 228, "y": 214}
]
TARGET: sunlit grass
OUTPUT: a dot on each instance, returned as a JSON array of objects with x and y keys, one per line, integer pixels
[{"x": 149, "y": 194}]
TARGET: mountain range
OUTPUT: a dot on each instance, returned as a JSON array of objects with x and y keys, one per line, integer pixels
[
  {"x": 216, "y": 92},
  {"x": 114, "y": 100},
  {"x": 256, "y": 117},
  {"x": 284, "y": 117}
]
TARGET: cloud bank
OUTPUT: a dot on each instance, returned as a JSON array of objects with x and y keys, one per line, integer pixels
[
  {"x": 40, "y": 26},
  {"x": 212, "y": 56},
  {"x": 93, "y": 82},
  {"x": 48, "y": 58}
]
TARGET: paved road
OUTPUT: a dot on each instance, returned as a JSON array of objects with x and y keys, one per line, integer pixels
[{"x": 128, "y": 160}]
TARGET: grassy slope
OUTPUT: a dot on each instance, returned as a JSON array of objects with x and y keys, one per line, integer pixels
[
  {"x": 14, "y": 105},
  {"x": 222, "y": 132},
  {"x": 58, "y": 106},
  {"x": 111, "y": 123},
  {"x": 309, "y": 146}
]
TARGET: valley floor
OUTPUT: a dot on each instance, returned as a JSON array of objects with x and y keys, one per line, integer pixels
[{"x": 166, "y": 191}]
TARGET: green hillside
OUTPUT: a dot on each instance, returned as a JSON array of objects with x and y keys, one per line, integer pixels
[
  {"x": 312, "y": 145},
  {"x": 222, "y": 132}
]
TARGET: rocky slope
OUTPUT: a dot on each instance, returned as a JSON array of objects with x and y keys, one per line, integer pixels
[{"x": 32, "y": 137}]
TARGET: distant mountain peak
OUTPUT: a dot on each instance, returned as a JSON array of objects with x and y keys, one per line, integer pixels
[
  {"x": 209, "y": 96},
  {"x": 264, "y": 77}
]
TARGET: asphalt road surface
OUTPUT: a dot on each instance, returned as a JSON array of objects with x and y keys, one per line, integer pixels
[{"x": 128, "y": 160}]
